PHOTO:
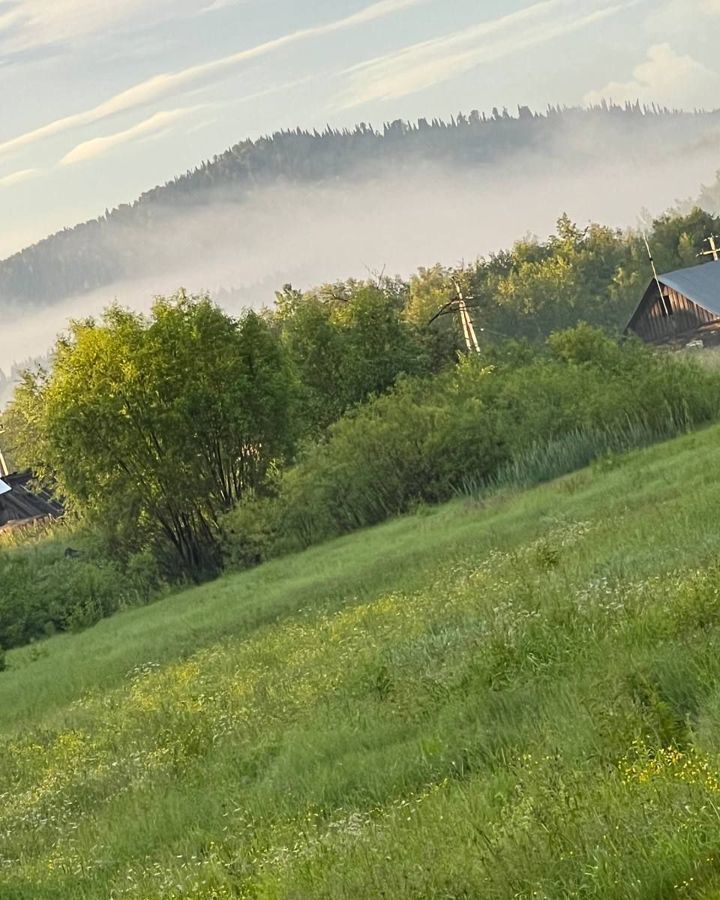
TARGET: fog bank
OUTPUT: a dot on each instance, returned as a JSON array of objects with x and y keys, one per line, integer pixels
[{"x": 378, "y": 221}]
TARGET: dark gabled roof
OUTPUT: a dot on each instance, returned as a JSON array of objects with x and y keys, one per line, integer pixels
[
  {"x": 22, "y": 504},
  {"x": 701, "y": 284}
]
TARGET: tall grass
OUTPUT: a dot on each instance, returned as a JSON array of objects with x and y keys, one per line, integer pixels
[
  {"x": 545, "y": 461},
  {"x": 513, "y": 700}
]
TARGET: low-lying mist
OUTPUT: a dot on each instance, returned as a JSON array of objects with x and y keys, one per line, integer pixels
[{"x": 391, "y": 221}]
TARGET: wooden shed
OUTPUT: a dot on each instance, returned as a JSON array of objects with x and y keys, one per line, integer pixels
[
  {"x": 19, "y": 505},
  {"x": 678, "y": 304}
]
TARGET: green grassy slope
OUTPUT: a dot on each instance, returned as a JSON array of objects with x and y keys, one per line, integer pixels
[{"x": 516, "y": 699}]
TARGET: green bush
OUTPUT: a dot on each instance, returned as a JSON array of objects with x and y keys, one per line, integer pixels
[
  {"x": 44, "y": 591},
  {"x": 251, "y": 533},
  {"x": 529, "y": 418}
]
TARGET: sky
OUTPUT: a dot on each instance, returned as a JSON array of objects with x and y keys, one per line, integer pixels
[{"x": 100, "y": 101}]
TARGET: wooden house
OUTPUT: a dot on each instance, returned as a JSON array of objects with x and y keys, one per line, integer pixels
[
  {"x": 680, "y": 306},
  {"x": 19, "y": 505}
]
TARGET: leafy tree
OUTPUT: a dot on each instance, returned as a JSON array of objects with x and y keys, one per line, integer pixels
[
  {"x": 678, "y": 239},
  {"x": 428, "y": 291},
  {"x": 348, "y": 341},
  {"x": 160, "y": 423},
  {"x": 378, "y": 344},
  {"x": 315, "y": 347}
]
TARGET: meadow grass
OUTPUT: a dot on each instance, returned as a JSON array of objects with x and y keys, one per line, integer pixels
[
  {"x": 547, "y": 460},
  {"x": 510, "y": 697}
]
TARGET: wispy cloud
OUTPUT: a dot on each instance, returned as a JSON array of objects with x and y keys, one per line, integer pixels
[
  {"x": 668, "y": 78},
  {"x": 423, "y": 65},
  {"x": 101, "y": 146},
  {"x": 681, "y": 18},
  {"x": 173, "y": 83},
  {"x": 217, "y": 5},
  {"x": 29, "y": 24},
  {"x": 10, "y": 18},
  {"x": 21, "y": 175},
  {"x": 373, "y": 12}
]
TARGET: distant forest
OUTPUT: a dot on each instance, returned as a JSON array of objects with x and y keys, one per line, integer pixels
[{"x": 98, "y": 253}]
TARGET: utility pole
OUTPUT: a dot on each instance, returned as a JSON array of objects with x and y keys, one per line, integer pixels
[
  {"x": 654, "y": 269},
  {"x": 4, "y": 471},
  {"x": 471, "y": 340},
  {"x": 460, "y": 305},
  {"x": 714, "y": 250},
  {"x": 463, "y": 306}
]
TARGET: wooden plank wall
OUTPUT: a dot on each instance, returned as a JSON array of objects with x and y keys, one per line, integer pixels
[{"x": 658, "y": 321}]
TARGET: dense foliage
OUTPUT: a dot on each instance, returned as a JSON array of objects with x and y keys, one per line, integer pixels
[
  {"x": 50, "y": 586},
  {"x": 153, "y": 426},
  {"x": 429, "y": 438},
  {"x": 595, "y": 275},
  {"x": 347, "y": 342},
  {"x": 195, "y": 440}
]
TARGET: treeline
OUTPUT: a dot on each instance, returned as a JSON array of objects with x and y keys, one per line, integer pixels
[
  {"x": 596, "y": 274},
  {"x": 186, "y": 440},
  {"x": 104, "y": 250}
]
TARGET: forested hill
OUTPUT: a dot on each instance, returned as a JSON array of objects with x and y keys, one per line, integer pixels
[{"x": 147, "y": 237}]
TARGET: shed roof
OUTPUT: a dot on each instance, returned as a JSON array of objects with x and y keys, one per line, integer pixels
[
  {"x": 701, "y": 284},
  {"x": 20, "y": 504}
]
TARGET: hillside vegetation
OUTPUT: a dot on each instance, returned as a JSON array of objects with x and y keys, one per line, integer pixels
[
  {"x": 511, "y": 697},
  {"x": 144, "y": 237},
  {"x": 189, "y": 443}
]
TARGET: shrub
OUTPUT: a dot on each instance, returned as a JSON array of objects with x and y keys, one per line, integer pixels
[
  {"x": 44, "y": 591},
  {"x": 530, "y": 418}
]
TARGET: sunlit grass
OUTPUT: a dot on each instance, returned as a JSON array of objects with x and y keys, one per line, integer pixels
[{"x": 512, "y": 697}]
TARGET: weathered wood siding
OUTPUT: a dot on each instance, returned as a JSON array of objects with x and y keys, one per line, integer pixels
[{"x": 665, "y": 317}]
